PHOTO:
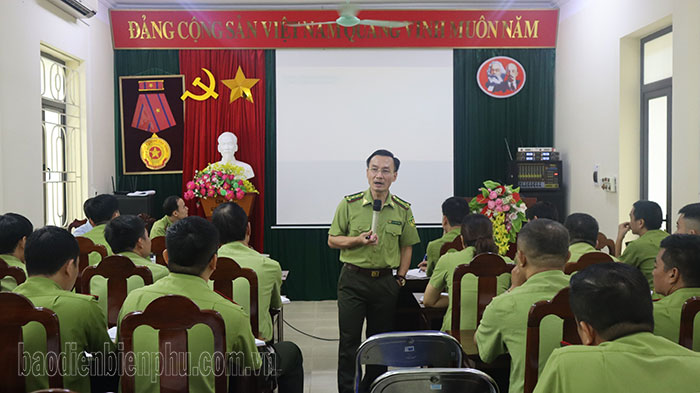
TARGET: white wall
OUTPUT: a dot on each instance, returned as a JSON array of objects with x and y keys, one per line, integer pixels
[
  {"x": 597, "y": 100},
  {"x": 24, "y": 25}
]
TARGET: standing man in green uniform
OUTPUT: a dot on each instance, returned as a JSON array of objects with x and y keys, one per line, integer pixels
[
  {"x": 543, "y": 249},
  {"x": 366, "y": 287},
  {"x": 191, "y": 246},
  {"x": 454, "y": 209},
  {"x": 645, "y": 221},
  {"x": 583, "y": 235},
  {"x": 175, "y": 209},
  {"x": 52, "y": 264},
  {"x": 14, "y": 230},
  {"x": 676, "y": 276},
  {"x": 613, "y": 309},
  {"x": 689, "y": 219},
  {"x": 102, "y": 208}
]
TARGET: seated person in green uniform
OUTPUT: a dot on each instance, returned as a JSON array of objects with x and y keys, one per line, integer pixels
[
  {"x": 542, "y": 209},
  {"x": 14, "y": 230},
  {"x": 583, "y": 235},
  {"x": 543, "y": 249},
  {"x": 477, "y": 235},
  {"x": 612, "y": 306},
  {"x": 454, "y": 209},
  {"x": 676, "y": 276},
  {"x": 101, "y": 210},
  {"x": 175, "y": 209},
  {"x": 127, "y": 236},
  {"x": 191, "y": 245},
  {"x": 689, "y": 219},
  {"x": 645, "y": 221},
  {"x": 52, "y": 263},
  {"x": 234, "y": 229}
]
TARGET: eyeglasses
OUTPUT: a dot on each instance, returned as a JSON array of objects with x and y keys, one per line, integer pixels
[{"x": 383, "y": 171}]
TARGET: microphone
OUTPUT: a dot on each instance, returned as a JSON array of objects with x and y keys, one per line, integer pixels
[{"x": 376, "y": 208}]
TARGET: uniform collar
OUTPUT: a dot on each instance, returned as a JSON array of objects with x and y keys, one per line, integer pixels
[
  {"x": 653, "y": 233},
  {"x": 543, "y": 276},
  {"x": 11, "y": 260},
  {"x": 582, "y": 246},
  {"x": 41, "y": 281},
  {"x": 238, "y": 246},
  {"x": 189, "y": 278},
  {"x": 368, "y": 200},
  {"x": 166, "y": 220},
  {"x": 134, "y": 256}
]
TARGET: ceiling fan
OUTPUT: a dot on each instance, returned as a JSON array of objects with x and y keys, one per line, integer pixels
[{"x": 348, "y": 18}]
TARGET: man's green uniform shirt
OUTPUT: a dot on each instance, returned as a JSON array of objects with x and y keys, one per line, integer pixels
[
  {"x": 639, "y": 362},
  {"x": 269, "y": 275},
  {"x": 8, "y": 283},
  {"x": 82, "y": 329},
  {"x": 641, "y": 253},
  {"x": 159, "y": 227},
  {"x": 503, "y": 327},
  {"x": 396, "y": 229},
  {"x": 97, "y": 235},
  {"x": 667, "y": 316},
  {"x": 433, "y": 249},
  {"x": 239, "y": 338},
  {"x": 577, "y": 250},
  {"x": 442, "y": 278},
  {"x": 98, "y": 284}
]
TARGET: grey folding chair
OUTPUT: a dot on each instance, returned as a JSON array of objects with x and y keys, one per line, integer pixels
[
  {"x": 445, "y": 380},
  {"x": 408, "y": 349}
]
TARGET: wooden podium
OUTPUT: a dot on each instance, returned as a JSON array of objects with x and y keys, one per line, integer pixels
[{"x": 209, "y": 204}]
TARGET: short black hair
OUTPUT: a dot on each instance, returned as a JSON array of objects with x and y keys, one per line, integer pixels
[
  {"x": 86, "y": 207},
  {"x": 542, "y": 209},
  {"x": 48, "y": 249},
  {"x": 170, "y": 204},
  {"x": 231, "y": 221},
  {"x": 683, "y": 252},
  {"x": 612, "y": 297},
  {"x": 191, "y": 242},
  {"x": 544, "y": 242},
  {"x": 13, "y": 227},
  {"x": 691, "y": 212},
  {"x": 102, "y": 208},
  {"x": 455, "y": 209},
  {"x": 477, "y": 232},
  {"x": 123, "y": 232},
  {"x": 650, "y": 212},
  {"x": 385, "y": 153},
  {"x": 582, "y": 227}
]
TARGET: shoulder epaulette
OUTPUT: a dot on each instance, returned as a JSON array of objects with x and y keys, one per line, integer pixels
[
  {"x": 354, "y": 197},
  {"x": 400, "y": 202}
]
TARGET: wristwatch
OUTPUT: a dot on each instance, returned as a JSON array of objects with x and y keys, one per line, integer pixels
[{"x": 400, "y": 279}]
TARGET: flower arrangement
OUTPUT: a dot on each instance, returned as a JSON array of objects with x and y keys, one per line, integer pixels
[
  {"x": 226, "y": 180},
  {"x": 503, "y": 206}
]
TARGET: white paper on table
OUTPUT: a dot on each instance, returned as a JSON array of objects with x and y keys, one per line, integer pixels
[
  {"x": 285, "y": 300},
  {"x": 415, "y": 274},
  {"x": 441, "y": 294},
  {"x": 259, "y": 343},
  {"x": 112, "y": 333}
]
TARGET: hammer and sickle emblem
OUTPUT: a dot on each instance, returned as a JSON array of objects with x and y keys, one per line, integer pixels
[{"x": 208, "y": 90}]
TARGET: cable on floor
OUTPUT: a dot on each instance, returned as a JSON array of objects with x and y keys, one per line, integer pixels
[{"x": 309, "y": 335}]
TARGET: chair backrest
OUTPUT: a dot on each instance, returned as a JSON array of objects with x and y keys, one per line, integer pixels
[
  {"x": 587, "y": 259},
  {"x": 12, "y": 271},
  {"x": 172, "y": 315},
  {"x": 408, "y": 349},
  {"x": 228, "y": 270},
  {"x": 486, "y": 267},
  {"x": 116, "y": 269},
  {"x": 455, "y": 244},
  {"x": 559, "y": 306},
  {"x": 463, "y": 380},
  {"x": 54, "y": 391},
  {"x": 690, "y": 308},
  {"x": 76, "y": 223},
  {"x": 86, "y": 247},
  {"x": 157, "y": 248},
  {"x": 603, "y": 242},
  {"x": 17, "y": 311}
]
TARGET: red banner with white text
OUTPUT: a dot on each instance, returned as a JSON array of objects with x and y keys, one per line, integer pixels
[{"x": 192, "y": 29}]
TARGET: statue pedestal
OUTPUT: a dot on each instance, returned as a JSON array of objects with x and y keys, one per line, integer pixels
[{"x": 209, "y": 204}]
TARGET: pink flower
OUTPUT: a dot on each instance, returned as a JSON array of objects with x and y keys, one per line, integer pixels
[
  {"x": 240, "y": 183},
  {"x": 499, "y": 208},
  {"x": 190, "y": 185},
  {"x": 189, "y": 194},
  {"x": 210, "y": 192},
  {"x": 226, "y": 186},
  {"x": 491, "y": 204},
  {"x": 240, "y": 194},
  {"x": 218, "y": 173},
  {"x": 207, "y": 185},
  {"x": 230, "y": 195},
  {"x": 506, "y": 208},
  {"x": 499, "y": 202},
  {"x": 225, "y": 177},
  {"x": 493, "y": 195}
]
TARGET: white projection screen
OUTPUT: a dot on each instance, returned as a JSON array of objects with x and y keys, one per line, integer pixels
[{"x": 336, "y": 106}]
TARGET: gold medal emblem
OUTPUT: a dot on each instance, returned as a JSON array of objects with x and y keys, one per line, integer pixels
[{"x": 155, "y": 152}]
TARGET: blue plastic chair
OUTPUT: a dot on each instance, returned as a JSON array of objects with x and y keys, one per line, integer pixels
[{"x": 438, "y": 380}]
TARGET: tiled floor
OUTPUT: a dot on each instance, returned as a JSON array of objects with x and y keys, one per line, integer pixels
[{"x": 320, "y": 357}]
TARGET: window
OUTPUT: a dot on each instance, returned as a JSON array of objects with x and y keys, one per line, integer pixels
[
  {"x": 62, "y": 139},
  {"x": 657, "y": 70}
]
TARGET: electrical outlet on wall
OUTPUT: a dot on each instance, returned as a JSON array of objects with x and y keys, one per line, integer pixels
[{"x": 609, "y": 183}]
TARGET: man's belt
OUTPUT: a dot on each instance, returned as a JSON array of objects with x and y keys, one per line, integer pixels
[{"x": 374, "y": 273}]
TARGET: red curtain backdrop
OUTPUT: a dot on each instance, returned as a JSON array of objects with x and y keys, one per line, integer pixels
[{"x": 206, "y": 120}]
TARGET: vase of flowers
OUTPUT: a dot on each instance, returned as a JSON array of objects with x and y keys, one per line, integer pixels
[
  {"x": 219, "y": 183},
  {"x": 506, "y": 210}
]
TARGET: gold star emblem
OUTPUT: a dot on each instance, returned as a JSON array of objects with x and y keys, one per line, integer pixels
[
  {"x": 155, "y": 153},
  {"x": 240, "y": 86}
]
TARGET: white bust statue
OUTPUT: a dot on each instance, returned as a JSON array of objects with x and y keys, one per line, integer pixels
[{"x": 228, "y": 146}]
